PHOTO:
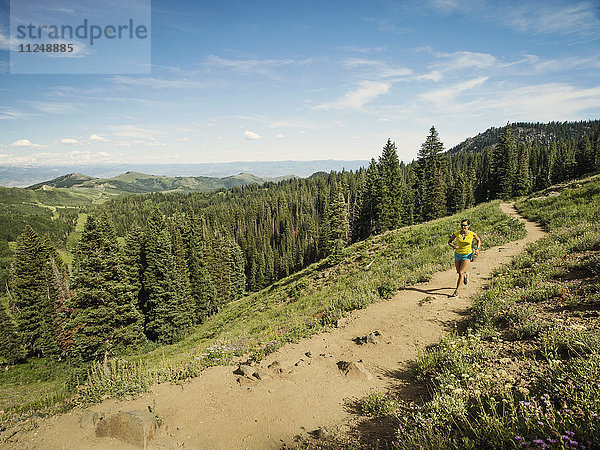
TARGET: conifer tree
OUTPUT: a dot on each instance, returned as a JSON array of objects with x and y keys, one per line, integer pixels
[
  {"x": 337, "y": 225},
  {"x": 523, "y": 178},
  {"x": 165, "y": 305},
  {"x": 389, "y": 191},
  {"x": 10, "y": 341},
  {"x": 503, "y": 165},
  {"x": 202, "y": 289},
  {"x": 105, "y": 319},
  {"x": 29, "y": 291},
  {"x": 59, "y": 297},
  {"x": 432, "y": 169}
]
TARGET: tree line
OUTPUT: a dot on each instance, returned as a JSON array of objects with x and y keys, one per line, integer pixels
[{"x": 183, "y": 256}]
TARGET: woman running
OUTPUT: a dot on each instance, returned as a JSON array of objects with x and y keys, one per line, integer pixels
[{"x": 463, "y": 252}]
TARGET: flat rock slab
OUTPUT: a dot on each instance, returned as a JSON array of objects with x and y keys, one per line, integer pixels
[{"x": 134, "y": 427}]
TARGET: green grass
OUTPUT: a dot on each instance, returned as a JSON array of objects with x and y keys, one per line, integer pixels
[
  {"x": 526, "y": 373},
  {"x": 296, "y": 307}
]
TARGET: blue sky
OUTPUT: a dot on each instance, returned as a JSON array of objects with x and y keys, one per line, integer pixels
[{"x": 303, "y": 80}]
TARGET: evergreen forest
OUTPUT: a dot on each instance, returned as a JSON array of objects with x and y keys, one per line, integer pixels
[{"x": 146, "y": 269}]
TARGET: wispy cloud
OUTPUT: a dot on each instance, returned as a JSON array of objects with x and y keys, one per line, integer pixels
[
  {"x": 442, "y": 96},
  {"x": 252, "y": 66},
  {"x": 463, "y": 60},
  {"x": 132, "y": 131},
  {"x": 155, "y": 83},
  {"x": 379, "y": 69},
  {"x": 358, "y": 98},
  {"x": 549, "y": 18},
  {"x": 7, "y": 113},
  {"x": 55, "y": 107}
]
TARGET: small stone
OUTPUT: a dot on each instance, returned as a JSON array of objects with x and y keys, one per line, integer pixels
[
  {"x": 308, "y": 354},
  {"x": 260, "y": 374},
  {"x": 372, "y": 338},
  {"x": 355, "y": 370},
  {"x": 275, "y": 366},
  {"x": 245, "y": 370},
  {"x": 88, "y": 419}
]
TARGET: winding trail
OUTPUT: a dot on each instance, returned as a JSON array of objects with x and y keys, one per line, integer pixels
[{"x": 220, "y": 410}]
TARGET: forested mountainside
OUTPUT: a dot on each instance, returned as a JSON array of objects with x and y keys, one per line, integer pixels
[
  {"x": 541, "y": 133},
  {"x": 182, "y": 256}
]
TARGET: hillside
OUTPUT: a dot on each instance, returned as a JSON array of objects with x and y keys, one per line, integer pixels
[
  {"x": 298, "y": 306},
  {"x": 257, "y": 413},
  {"x": 540, "y": 133},
  {"x": 140, "y": 183}
]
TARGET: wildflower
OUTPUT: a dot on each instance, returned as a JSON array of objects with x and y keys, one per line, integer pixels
[{"x": 518, "y": 438}]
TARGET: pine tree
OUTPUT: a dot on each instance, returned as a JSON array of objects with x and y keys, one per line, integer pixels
[
  {"x": 337, "y": 225},
  {"x": 34, "y": 310},
  {"x": 432, "y": 170},
  {"x": 10, "y": 341},
  {"x": 165, "y": 305},
  {"x": 367, "y": 216},
  {"x": 389, "y": 191},
  {"x": 522, "y": 184},
  {"x": 503, "y": 165},
  {"x": 105, "y": 319},
  {"x": 59, "y": 297}
]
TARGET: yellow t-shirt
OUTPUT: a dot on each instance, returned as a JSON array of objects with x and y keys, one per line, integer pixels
[{"x": 464, "y": 243}]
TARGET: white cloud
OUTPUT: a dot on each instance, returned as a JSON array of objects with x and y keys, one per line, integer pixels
[
  {"x": 69, "y": 141},
  {"x": 97, "y": 138},
  {"x": 251, "y": 135},
  {"x": 546, "y": 102},
  {"x": 434, "y": 75},
  {"x": 441, "y": 96},
  {"x": 356, "y": 99},
  {"x": 279, "y": 136},
  {"x": 184, "y": 139},
  {"x": 465, "y": 60},
  {"x": 25, "y": 143}
]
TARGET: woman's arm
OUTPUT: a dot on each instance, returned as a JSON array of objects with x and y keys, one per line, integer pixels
[
  {"x": 454, "y": 246},
  {"x": 476, "y": 238}
]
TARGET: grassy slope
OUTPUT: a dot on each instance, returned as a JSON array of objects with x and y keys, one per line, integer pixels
[
  {"x": 298, "y": 306},
  {"x": 526, "y": 373}
]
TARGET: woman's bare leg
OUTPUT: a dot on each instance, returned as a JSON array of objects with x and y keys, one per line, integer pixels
[{"x": 461, "y": 268}]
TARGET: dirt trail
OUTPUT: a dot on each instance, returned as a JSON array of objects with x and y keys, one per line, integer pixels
[{"x": 217, "y": 411}]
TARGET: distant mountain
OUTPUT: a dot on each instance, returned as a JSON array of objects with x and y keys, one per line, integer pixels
[
  {"x": 267, "y": 170},
  {"x": 139, "y": 183},
  {"x": 543, "y": 133}
]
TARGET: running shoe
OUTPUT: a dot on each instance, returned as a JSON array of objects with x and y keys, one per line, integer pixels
[
  {"x": 454, "y": 294},
  {"x": 466, "y": 278}
]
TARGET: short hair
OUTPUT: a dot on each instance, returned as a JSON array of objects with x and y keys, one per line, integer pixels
[{"x": 466, "y": 220}]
